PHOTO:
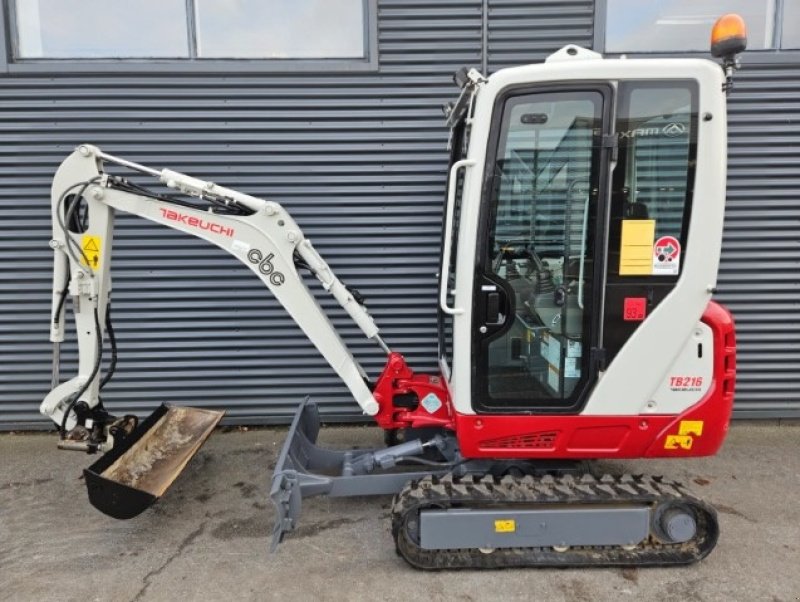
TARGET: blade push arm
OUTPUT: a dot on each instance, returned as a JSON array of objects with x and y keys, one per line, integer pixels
[{"x": 263, "y": 236}]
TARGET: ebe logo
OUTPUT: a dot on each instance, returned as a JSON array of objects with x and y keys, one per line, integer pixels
[{"x": 265, "y": 266}]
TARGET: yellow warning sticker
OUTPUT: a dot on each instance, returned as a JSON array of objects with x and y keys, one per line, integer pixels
[
  {"x": 92, "y": 248},
  {"x": 636, "y": 247},
  {"x": 691, "y": 427},
  {"x": 687, "y": 431},
  {"x": 507, "y": 525},
  {"x": 678, "y": 442}
]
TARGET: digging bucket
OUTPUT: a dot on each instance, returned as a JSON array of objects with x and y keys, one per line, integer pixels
[{"x": 136, "y": 472}]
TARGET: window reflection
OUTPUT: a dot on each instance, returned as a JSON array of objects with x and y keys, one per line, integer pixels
[
  {"x": 234, "y": 29},
  {"x": 790, "y": 34},
  {"x": 279, "y": 29},
  {"x": 682, "y": 25},
  {"x": 101, "y": 29}
]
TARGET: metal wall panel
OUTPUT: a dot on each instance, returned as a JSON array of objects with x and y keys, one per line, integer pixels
[
  {"x": 359, "y": 160},
  {"x": 526, "y": 31},
  {"x": 760, "y": 273}
]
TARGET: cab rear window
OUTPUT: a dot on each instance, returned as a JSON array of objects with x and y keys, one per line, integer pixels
[{"x": 656, "y": 126}]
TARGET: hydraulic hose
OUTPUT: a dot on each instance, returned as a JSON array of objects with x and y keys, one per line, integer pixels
[{"x": 95, "y": 370}]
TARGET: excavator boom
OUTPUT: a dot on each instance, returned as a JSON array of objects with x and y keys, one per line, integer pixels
[{"x": 259, "y": 233}]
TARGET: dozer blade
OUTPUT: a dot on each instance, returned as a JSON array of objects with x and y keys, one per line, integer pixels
[
  {"x": 136, "y": 472},
  {"x": 305, "y": 469}
]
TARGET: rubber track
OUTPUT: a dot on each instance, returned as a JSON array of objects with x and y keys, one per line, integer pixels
[{"x": 483, "y": 492}]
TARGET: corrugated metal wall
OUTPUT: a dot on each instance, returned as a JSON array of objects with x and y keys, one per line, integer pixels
[
  {"x": 760, "y": 274},
  {"x": 359, "y": 160},
  {"x": 526, "y": 31}
]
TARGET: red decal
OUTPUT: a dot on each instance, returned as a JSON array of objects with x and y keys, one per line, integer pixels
[
  {"x": 667, "y": 256},
  {"x": 686, "y": 383},
  {"x": 634, "y": 309},
  {"x": 196, "y": 222},
  {"x": 667, "y": 248}
]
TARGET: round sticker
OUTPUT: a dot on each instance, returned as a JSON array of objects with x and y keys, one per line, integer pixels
[{"x": 667, "y": 256}]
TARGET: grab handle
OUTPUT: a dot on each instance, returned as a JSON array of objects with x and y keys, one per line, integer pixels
[{"x": 448, "y": 236}]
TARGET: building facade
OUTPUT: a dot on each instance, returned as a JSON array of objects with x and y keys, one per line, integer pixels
[{"x": 334, "y": 109}]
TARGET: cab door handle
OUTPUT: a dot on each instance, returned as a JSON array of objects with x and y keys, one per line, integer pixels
[{"x": 493, "y": 308}]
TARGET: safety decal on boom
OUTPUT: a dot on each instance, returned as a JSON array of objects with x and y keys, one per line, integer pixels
[
  {"x": 92, "y": 247},
  {"x": 687, "y": 430}
]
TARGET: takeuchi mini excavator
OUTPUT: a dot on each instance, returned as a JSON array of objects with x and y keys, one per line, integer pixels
[{"x": 580, "y": 248}]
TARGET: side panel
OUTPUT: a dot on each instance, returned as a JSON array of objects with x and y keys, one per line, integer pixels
[
  {"x": 698, "y": 431},
  {"x": 652, "y": 192},
  {"x": 632, "y": 378},
  {"x": 707, "y": 422},
  {"x": 689, "y": 376}
]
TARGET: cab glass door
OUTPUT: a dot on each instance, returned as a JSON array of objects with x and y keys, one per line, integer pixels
[{"x": 535, "y": 300}]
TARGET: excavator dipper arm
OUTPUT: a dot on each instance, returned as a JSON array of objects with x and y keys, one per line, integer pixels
[{"x": 259, "y": 233}]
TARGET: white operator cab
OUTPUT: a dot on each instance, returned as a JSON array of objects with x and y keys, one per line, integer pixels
[{"x": 576, "y": 186}]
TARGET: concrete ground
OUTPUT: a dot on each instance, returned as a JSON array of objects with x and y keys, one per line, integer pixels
[{"x": 207, "y": 538}]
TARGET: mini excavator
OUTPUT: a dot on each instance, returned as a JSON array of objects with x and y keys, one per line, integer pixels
[{"x": 580, "y": 248}]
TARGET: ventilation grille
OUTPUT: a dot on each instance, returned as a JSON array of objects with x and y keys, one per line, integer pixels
[{"x": 540, "y": 440}]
